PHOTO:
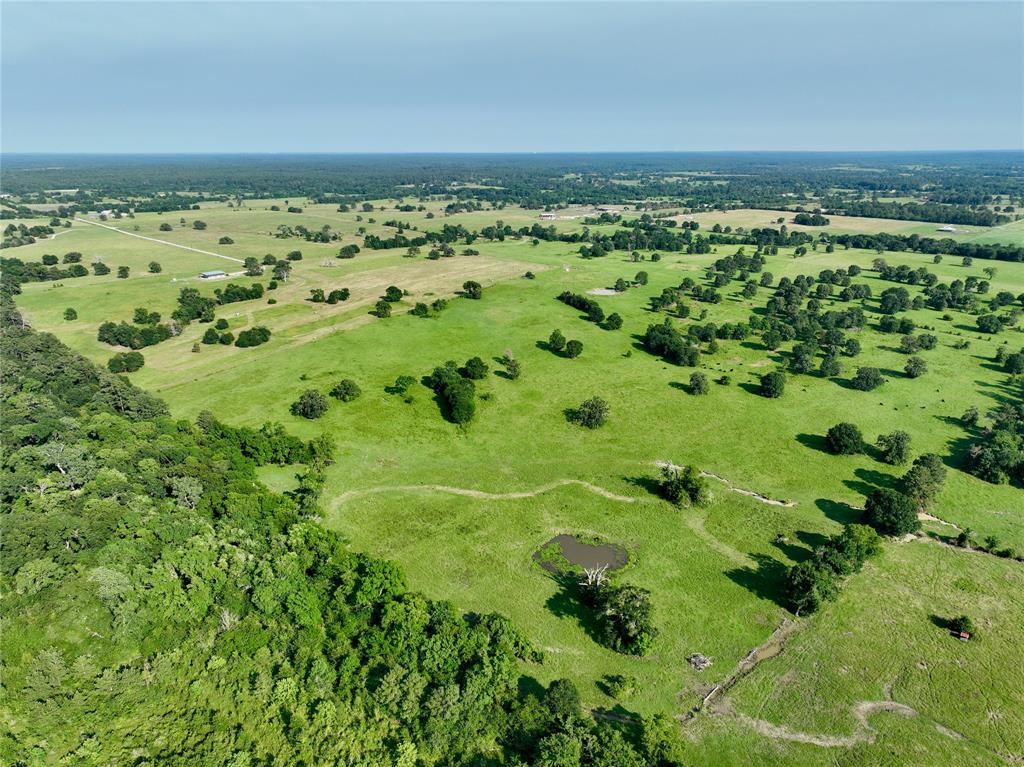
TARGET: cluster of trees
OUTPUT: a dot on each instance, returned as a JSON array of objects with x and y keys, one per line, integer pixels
[
  {"x": 232, "y": 293},
  {"x": 997, "y": 453},
  {"x": 253, "y": 336},
  {"x": 193, "y": 306},
  {"x": 588, "y": 306},
  {"x": 16, "y": 235},
  {"x": 624, "y": 614},
  {"x": 894, "y": 511},
  {"x": 810, "y": 219},
  {"x": 318, "y": 296},
  {"x": 133, "y": 336},
  {"x": 17, "y": 272},
  {"x": 683, "y": 486},
  {"x": 456, "y": 393},
  {"x": 436, "y": 306},
  {"x": 846, "y": 439},
  {"x": 559, "y": 345},
  {"x": 922, "y": 211},
  {"x": 811, "y": 583},
  {"x": 666, "y": 341},
  {"x": 930, "y": 245}
]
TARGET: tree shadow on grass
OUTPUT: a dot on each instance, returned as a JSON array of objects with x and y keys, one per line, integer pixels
[
  {"x": 684, "y": 388},
  {"x": 843, "y": 513},
  {"x": 567, "y": 602},
  {"x": 814, "y": 442},
  {"x": 651, "y": 484},
  {"x": 765, "y": 581},
  {"x": 877, "y": 478},
  {"x": 752, "y": 388}
]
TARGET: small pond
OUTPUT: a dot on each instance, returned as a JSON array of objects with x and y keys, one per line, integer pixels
[{"x": 565, "y": 553}]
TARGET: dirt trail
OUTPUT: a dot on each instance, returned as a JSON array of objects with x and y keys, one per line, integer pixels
[
  {"x": 925, "y": 517},
  {"x": 696, "y": 524},
  {"x": 731, "y": 486},
  {"x": 864, "y": 732},
  {"x": 161, "y": 242},
  {"x": 470, "y": 493},
  {"x": 770, "y": 648}
]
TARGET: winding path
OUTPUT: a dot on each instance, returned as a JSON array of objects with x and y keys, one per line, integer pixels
[
  {"x": 470, "y": 493},
  {"x": 731, "y": 486},
  {"x": 161, "y": 242}
]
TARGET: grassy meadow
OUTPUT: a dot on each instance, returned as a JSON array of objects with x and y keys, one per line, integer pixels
[{"x": 714, "y": 573}]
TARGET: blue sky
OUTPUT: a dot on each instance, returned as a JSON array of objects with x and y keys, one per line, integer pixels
[{"x": 576, "y": 76}]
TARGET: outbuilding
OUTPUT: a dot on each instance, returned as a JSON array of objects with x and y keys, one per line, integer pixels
[{"x": 213, "y": 274}]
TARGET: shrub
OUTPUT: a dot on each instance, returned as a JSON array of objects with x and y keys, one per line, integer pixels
[
  {"x": 221, "y": 324},
  {"x": 165, "y": 227},
  {"x": 844, "y": 439},
  {"x": 556, "y": 341},
  {"x": 346, "y": 390},
  {"x": 915, "y": 367},
  {"x": 225, "y": 240},
  {"x": 961, "y": 623},
  {"x": 122, "y": 272},
  {"x": 338, "y": 295},
  {"x": 197, "y": 224},
  {"x": 472, "y": 289},
  {"x": 613, "y": 322},
  {"x": 226, "y": 339},
  {"x": 867, "y": 379},
  {"x": 155, "y": 268},
  {"x": 699, "y": 384},
  {"x": 382, "y": 309},
  {"x": 573, "y": 348},
  {"x": 211, "y": 336},
  {"x": 592, "y": 413},
  {"x": 773, "y": 384},
  {"x": 310, "y": 404},
  {"x": 125, "y": 362},
  {"x": 895, "y": 447},
  {"x": 70, "y": 314},
  {"x": 475, "y": 369}
]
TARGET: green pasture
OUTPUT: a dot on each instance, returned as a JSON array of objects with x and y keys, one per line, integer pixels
[{"x": 714, "y": 573}]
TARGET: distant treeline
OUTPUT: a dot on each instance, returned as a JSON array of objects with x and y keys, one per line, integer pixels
[
  {"x": 699, "y": 181},
  {"x": 916, "y": 211}
]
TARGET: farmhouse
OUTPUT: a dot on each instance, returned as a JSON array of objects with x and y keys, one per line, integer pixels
[{"x": 212, "y": 274}]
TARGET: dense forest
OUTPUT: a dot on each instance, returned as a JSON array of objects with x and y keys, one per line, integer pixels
[
  {"x": 956, "y": 186},
  {"x": 166, "y": 607}
]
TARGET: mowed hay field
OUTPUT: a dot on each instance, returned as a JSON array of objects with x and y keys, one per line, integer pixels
[{"x": 715, "y": 573}]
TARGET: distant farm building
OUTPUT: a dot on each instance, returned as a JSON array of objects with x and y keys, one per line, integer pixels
[
  {"x": 547, "y": 216},
  {"x": 212, "y": 275},
  {"x": 963, "y": 636},
  {"x": 947, "y": 228}
]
